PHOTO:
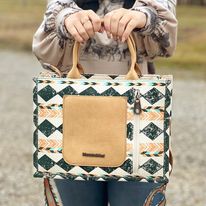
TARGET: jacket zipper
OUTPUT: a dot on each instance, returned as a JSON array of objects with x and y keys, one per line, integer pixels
[{"x": 137, "y": 111}]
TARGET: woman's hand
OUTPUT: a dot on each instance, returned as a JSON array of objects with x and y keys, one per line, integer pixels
[
  {"x": 82, "y": 25},
  {"x": 120, "y": 23}
]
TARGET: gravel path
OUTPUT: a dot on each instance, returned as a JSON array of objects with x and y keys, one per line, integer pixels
[{"x": 17, "y": 187}]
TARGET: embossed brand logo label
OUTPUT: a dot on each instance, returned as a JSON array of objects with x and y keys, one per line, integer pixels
[{"x": 93, "y": 155}]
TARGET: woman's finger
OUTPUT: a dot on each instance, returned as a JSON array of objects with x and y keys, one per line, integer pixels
[
  {"x": 89, "y": 28},
  {"x": 73, "y": 31},
  {"x": 115, "y": 22},
  {"x": 107, "y": 22},
  {"x": 129, "y": 28},
  {"x": 122, "y": 25},
  {"x": 81, "y": 30},
  {"x": 95, "y": 20}
]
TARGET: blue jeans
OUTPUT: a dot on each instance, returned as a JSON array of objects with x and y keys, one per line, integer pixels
[{"x": 92, "y": 193}]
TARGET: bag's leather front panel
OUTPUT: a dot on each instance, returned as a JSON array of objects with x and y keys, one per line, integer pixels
[{"x": 94, "y": 130}]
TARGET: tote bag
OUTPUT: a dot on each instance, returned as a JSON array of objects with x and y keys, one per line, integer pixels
[{"x": 102, "y": 127}]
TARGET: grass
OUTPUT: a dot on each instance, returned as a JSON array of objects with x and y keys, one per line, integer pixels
[
  {"x": 191, "y": 47},
  {"x": 20, "y": 19}
]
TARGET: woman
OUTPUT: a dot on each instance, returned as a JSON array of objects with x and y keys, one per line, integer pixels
[{"x": 103, "y": 27}]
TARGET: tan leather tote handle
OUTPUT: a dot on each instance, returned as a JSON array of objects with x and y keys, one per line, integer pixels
[{"x": 132, "y": 74}]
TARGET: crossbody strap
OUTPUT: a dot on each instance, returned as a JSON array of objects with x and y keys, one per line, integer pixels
[
  {"x": 153, "y": 193},
  {"x": 49, "y": 195}
]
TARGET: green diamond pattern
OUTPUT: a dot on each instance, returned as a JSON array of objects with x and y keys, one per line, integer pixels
[
  {"x": 35, "y": 117},
  {"x": 166, "y": 141},
  {"x": 113, "y": 76},
  {"x": 90, "y": 91},
  {"x": 35, "y": 99},
  {"x": 108, "y": 169},
  {"x": 88, "y": 76},
  {"x": 61, "y": 163},
  {"x": 46, "y": 162},
  {"x": 166, "y": 164},
  {"x": 47, "y": 128},
  {"x": 127, "y": 166},
  {"x": 168, "y": 99},
  {"x": 60, "y": 128},
  {"x": 47, "y": 93},
  {"x": 153, "y": 96},
  {"x": 152, "y": 131},
  {"x": 110, "y": 92},
  {"x": 151, "y": 166},
  {"x": 68, "y": 90},
  {"x": 88, "y": 168},
  {"x": 130, "y": 94},
  {"x": 130, "y": 130}
]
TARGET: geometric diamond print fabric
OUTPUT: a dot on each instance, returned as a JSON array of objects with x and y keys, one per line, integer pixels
[
  {"x": 67, "y": 90},
  {"x": 151, "y": 131},
  {"x": 153, "y": 134},
  {"x": 151, "y": 166},
  {"x": 47, "y": 93},
  {"x": 47, "y": 128},
  {"x": 130, "y": 128},
  {"x": 46, "y": 162},
  {"x": 61, "y": 163},
  {"x": 153, "y": 96}
]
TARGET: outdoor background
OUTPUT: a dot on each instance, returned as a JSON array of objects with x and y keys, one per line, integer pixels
[{"x": 18, "y": 21}]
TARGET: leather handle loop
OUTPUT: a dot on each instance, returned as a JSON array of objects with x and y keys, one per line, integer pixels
[
  {"x": 74, "y": 72},
  {"x": 132, "y": 74}
]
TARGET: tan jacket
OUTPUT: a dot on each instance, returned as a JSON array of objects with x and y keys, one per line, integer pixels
[{"x": 52, "y": 44}]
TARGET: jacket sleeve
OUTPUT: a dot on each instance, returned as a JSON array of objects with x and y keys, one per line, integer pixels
[
  {"x": 52, "y": 42},
  {"x": 159, "y": 36}
]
